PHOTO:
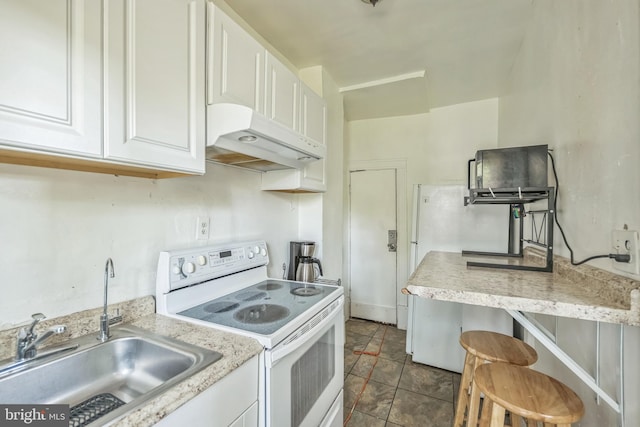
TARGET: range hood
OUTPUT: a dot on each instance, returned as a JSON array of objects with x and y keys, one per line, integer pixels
[{"x": 240, "y": 136}]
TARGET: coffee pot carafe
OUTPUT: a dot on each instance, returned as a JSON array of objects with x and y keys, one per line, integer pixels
[
  {"x": 297, "y": 252},
  {"x": 307, "y": 270}
]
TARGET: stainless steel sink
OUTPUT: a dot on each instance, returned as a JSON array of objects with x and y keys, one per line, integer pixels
[{"x": 131, "y": 368}]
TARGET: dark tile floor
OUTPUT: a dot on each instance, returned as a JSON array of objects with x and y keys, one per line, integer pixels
[{"x": 399, "y": 392}]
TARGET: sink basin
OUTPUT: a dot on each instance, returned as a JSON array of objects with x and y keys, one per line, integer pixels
[{"x": 131, "y": 368}]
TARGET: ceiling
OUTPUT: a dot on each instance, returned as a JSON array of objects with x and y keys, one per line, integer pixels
[{"x": 401, "y": 56}]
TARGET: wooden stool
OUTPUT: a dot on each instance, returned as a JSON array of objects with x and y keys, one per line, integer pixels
[
  {"x": 526, "y": 393},
  {"x": 483, "y": 347}
]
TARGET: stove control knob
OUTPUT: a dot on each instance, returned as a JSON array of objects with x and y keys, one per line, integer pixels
[
  {"x": 188, "y": 268},
  {"x": 202, "y": 260},
  {"x": 251, "y": 254},
  {"x": 263, "y": 251},
  {"x": 176, "y": 270},
  {"x": 256, "y": 249}
]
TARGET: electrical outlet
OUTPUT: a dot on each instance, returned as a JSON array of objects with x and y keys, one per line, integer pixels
[
  {"x": 202, "y": 228},
  {"x": 626, "y": 242}
]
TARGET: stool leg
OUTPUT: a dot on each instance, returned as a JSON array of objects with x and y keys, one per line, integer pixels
[
  {"x": 474, "y": 398},
  {"x": 497, "y": 415},
  {"x": 516, "y": 420},
  {"x": 485, "y": 416},
  {"x": 463, "y": 393}
]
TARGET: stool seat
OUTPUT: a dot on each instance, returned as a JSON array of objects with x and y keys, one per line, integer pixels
[
  {"x": 527, "y": 393},
  {"x": 485, "y": 347},
  {"x": 496, "y": 347}
]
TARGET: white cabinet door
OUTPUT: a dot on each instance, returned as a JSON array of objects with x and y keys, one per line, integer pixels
[
  {"x": 232, "y": 401},
  {"x": 154, "y": 83},
  {"x": 313, "y": 112},
  {"x": 311, "y": 179},
  {"x": 283, "y": 94},
  {"x": 248, "y": 419},
  {"x": 314, "y": 175},
  {"x": 235, "y": 63},
  {"x": 50, "y": 76}
]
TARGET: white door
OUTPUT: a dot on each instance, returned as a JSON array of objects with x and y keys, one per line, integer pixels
[{"x": 372, "y": 267}]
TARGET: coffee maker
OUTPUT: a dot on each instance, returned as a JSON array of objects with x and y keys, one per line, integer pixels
[{"x": 301, "y": 261}]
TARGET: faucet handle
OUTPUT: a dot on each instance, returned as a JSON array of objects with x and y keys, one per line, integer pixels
[
  {"x": 58, "y": 329},
  {"x": 22, "y": 334},
  {"x": 37, "y": 317}
]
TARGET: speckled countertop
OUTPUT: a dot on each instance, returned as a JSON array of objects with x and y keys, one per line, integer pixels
[
  {"x": 235, "y": 350},
  {"x": 581, "y": 292}
]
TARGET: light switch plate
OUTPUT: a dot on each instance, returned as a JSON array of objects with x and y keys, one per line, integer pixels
[{"x": 626, "y": 242}]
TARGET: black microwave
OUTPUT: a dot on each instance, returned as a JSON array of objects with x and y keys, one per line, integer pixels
[{"x": 509, "y": 168}]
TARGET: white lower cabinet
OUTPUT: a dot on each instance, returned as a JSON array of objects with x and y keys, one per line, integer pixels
[
  {"x": 248, "y": 418},
  {"x": 232, "y": 401}
]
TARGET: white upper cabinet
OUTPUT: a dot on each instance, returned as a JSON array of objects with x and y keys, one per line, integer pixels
[
  {"x": 313, "y": 115},
  {"x": 235, "y": 63},
  {"x": 50, "y": 76},
  {"x": 154, "y": 83},
  {"x": 283, "y": 94},
  {"x": 292, "y": 103},
  {"x": 311, "y": 179},
  {"x": 241, "y": 71}
]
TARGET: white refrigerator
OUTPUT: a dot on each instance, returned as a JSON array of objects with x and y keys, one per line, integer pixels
[{"x": 441, "y": 222}]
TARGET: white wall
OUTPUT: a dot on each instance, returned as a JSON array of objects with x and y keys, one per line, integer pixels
[
  {"x": 58, "y": 227},
  {"x": 333, "y": 226},
  {"x": 326, "y": 208},
  {"x": 433, "y": 147},
  {"x": 436, "y": 145},
  {"x": 575, "y": 87}
]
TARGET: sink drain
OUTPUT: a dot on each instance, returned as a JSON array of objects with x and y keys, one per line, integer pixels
[{"x": 93, "y": 408}]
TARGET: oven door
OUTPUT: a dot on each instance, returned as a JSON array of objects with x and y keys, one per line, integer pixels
[{"x": 305, "y": 373}]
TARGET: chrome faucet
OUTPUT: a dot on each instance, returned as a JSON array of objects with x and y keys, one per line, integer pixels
[
  {"x": 104, "y": 318},
  {"x": 28, "y": 340}
]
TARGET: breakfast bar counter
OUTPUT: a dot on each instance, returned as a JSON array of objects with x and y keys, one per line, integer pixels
[{"x": 581, "y": 292}]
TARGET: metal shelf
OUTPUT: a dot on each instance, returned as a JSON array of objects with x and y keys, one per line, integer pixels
[
  {"x": 489, "y": 196},
  {"x": 517, "y": 197}
]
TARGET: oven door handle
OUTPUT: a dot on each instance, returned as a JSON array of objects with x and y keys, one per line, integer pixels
[{"x": 286, "y": 348}]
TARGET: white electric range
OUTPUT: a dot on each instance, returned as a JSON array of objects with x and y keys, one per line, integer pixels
[{"x": 300, "y": 325}]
